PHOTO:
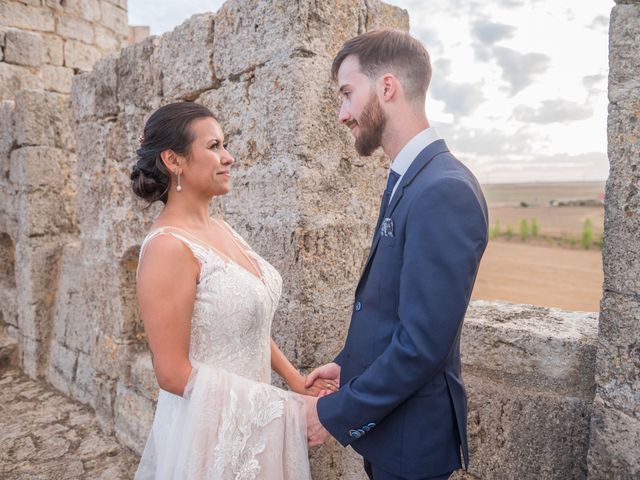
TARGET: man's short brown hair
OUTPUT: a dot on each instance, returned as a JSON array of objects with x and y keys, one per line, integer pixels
[{"x": 393, "y": 51}]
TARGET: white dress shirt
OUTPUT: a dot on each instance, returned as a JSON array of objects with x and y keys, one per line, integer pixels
[{"x": 410, "y": 151}]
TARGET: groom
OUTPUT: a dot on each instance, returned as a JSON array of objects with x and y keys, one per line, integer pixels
[{"x": 402, "y": 402}]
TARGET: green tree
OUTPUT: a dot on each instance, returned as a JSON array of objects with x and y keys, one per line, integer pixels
[
  {"x": 524, "y": 230},
  {"x": 535, "y": 227},
  {"x": 587, "y": 234},
  {"x": 509, "y": 232},
  {"x": 495, "y": 231}
]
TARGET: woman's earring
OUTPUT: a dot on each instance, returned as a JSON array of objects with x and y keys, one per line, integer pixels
[{"x": 179, "y": 187}]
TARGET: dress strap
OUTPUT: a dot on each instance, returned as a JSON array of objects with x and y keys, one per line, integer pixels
[{"x": 199, "y": 252}]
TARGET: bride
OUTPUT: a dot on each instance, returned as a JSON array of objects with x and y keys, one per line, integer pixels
[{"x": 207, "y": 301}]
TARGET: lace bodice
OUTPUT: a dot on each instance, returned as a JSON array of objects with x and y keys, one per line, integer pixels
[{"x": 233, "y": 308}]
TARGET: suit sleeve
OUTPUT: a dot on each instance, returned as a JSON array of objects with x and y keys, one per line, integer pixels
[{"x": 446, "y": 234}]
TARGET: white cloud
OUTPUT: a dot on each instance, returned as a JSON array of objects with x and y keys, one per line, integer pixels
[
  {"x": 519, "y": 69},
  {"x": 553, "y": 111}
]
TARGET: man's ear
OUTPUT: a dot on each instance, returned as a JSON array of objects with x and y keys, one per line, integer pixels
[
  {"x": 389, "y": 87},
  {"x": 170, "y": 160}
]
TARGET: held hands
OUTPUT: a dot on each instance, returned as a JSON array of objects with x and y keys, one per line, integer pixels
[
  {"x": 327, "y": 377},
  {"x": 318, "y": 388}
]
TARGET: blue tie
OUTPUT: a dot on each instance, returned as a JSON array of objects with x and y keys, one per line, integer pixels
[{"x": 391, "y": 182}]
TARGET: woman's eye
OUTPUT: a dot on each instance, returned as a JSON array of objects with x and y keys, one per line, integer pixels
[{"x": 214, "y": 146}]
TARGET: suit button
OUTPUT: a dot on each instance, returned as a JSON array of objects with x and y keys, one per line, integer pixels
[{"x": 358, "y": 306}]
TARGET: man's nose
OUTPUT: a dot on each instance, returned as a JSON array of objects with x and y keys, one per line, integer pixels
[{"x": 343, "y": 116}]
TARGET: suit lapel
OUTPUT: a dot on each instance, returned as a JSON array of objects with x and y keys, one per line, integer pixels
[{"x": 420, "y": 162}]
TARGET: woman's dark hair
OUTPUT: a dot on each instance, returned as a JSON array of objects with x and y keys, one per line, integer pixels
[{"x": 168, "y": 128}]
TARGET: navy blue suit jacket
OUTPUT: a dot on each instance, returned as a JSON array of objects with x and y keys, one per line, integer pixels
[{"x": 402, "y": 403}]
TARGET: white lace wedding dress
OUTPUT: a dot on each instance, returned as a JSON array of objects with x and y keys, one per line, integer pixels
[{"x": 234, "y": 424}]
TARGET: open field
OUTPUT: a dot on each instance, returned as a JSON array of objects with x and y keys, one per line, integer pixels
[
  {"x": 539, "y": 275},
  {"x": 535, "y": 273}
]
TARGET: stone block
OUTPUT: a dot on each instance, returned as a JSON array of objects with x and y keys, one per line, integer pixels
[
  {"x": 29, "y": 355},
  {"x": 525, "y": 433},
  {"x": 43, "y": 118},
  {"x": 18, "y": 15},
  {"x": 86, "y": 9},
  {"x": 83, "y": 388},
  {"x": 133, "y": 418},
  {"x": 615, "y": 437},
  {"x": 57, "y": 79},
  {"x": 618, "y": 364},
  {"x": 104, "y": 400},
  {"x": 70, "y": 27},
  {"x": 621, "y": 252},
  {"x": 530, "y": 380},
  {"x": 138, "y": 85},
  {"x": 532, "y": 347},
  {"x": 296, "y": 29},
  {"x": 45, "y": 209},
  {"x": 192, "y": 42},
  {"x": 94, "y": 94},
  {"x": 108, "y": 40},
  {"x": 36, "y": 168},
  {"x": 62, "y": 367},
  {"x": 7, "y": 127},
  {"x": 624, "y": 49},
  {"x": 143, "y": 377},
  {"x": 114, "y": 17},
  {"x": 52, "y": 49},
  {"x": 80, "y": 55},
  {"x": 14, "y": 78},
  {"x": 23, "y": 48}
]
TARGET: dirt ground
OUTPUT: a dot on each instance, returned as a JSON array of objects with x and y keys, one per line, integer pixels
[{"x": 516, "y": 272}]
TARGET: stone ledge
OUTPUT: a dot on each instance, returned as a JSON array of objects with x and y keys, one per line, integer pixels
[{"x": 529, "y": 347}]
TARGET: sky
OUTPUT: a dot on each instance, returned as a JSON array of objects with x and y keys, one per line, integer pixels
[{"x": 519, "y": 87}]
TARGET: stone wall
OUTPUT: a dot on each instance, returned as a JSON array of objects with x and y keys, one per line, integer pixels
[
  {"x": 615, "y": 435},
  {"x": 529, "y": 373},
  {"x": 43, "y": 44}
]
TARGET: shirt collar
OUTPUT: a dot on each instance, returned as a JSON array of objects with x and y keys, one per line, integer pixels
[{"x": 410, "y": 151}]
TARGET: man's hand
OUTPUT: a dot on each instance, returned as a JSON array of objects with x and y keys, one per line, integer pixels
[
  {"x": 330, "y": 371},
  {"x": 316, "y": 433}
]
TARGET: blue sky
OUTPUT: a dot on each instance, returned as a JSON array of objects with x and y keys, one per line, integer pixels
[{"x": 518, "y": 88}]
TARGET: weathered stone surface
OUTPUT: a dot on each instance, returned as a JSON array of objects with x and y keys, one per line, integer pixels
[
  {"x": 138, "y": 84},
  {"x": 7, "y": 127},
  {"x": 75, "y": 28},
  {"x": 23, "y": 48},
  {"x": 615, "y": 427},
  {"x": 94, "y": 93},
  {"x": 114, "y": 17},
  {"x": 62, "y": 367},
  {"x": 45, "y": 209},
  {"x": 46, "y": 436},
  {"x": 86, "y": 9},
  {"x": 528, "y": 369},
  {"x": 80, "y": 55},
  {"x": 107, "y": 39},
  {"x": 16, "y": 14},
  {"x": 8, "y": 353},
  {"x": 43, "y": 118},
  {"x": 57, "y": 79},
  {"x": 192, "y": 42},
  {"x": 14, "y": 78},
  {"x": 133, "y": 418},
  {"x": 143, "y": 378},
  {"x": 52, "y": 49}
]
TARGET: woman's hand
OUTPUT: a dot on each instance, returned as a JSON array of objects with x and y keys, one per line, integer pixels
[{"x": 318, "y": 388}]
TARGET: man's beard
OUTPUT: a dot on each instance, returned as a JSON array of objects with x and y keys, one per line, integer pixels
[{"x": 371, "y": 125}]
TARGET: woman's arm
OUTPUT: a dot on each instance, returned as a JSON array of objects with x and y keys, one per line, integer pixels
[
  {"x": 283, "y": 367},
  {"x": 166, "y": 292}
]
